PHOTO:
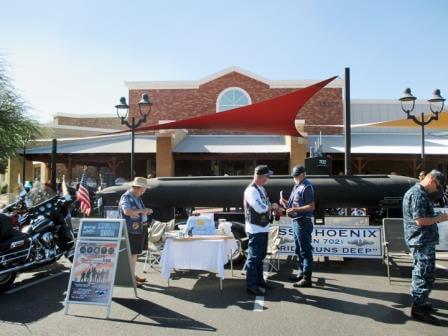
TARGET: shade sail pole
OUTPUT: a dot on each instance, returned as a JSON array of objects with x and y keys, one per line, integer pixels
[{"x": 347, "y": 126}]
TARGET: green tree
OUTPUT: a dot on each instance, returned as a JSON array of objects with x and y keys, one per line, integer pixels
[{"x": 17, "y": 129}]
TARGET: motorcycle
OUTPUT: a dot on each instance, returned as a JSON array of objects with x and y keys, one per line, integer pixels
[{"x": 45, "y": 235}]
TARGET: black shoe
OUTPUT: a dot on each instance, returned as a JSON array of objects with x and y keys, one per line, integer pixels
[
  {"x": 295, "y": 278},
  {"x": 429, "y": 308},
  {"x": 305, "y": 282},
  {"x": 265, "y": 285},
  {"x": 256, "y": 291},
  {"x": 420, "y": 313}
]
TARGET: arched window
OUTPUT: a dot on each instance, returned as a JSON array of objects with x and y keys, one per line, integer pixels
[{"x": 231, "y": 98}]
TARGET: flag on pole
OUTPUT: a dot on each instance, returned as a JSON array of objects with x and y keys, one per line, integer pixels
[
  {"x": 64, "y": 186},
  {"x": 83, "y": 195}
]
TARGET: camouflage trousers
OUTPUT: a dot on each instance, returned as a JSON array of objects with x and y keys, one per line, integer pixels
[{"x": 423, "y": 273}]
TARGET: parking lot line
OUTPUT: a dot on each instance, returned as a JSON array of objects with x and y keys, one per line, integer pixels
[{"x": 14, "y": 290}]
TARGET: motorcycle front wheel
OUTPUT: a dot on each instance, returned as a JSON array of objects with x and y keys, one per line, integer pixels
[{"x": 6, "y": 281}]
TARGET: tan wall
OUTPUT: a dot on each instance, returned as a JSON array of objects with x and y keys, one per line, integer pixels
[
  {"x": 297, "y": 151},
  {"x": 164, "y": 156},
  {"x": 109, "y": 122}
]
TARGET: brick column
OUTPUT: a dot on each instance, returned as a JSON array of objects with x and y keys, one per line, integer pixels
[
  {"x": 164, "y": 155},
  {"x": 297, "y": 150}
]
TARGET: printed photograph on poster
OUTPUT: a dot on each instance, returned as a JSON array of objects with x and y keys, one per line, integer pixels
[{"x": 92, "y": 273}]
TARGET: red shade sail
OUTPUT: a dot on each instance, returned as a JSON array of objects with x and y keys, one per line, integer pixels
[{"x": 273, "y": 116}]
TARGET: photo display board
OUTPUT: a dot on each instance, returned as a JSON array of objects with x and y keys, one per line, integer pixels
[{"x": 102, "y": 248}]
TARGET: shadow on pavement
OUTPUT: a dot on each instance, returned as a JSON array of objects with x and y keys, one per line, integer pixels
[
  {"x": 206, "y": 291},
  {"x": 162, "y": 316},
  {"x": 32, "y": 304}
]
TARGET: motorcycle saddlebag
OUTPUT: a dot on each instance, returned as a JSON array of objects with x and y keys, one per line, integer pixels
[
  {"x": 14, "y": 247},
  {"x": 5, "y": 226}
]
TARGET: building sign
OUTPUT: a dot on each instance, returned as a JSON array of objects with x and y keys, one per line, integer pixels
[{"x": 341, "y": 241}]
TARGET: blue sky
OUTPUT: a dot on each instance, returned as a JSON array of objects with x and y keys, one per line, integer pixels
[{"x": 74, "y": 56}]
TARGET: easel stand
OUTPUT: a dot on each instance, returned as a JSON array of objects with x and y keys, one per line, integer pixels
[{"x": 102, "y": 260}]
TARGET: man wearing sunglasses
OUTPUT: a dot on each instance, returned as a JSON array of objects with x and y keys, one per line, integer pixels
[{"x": 422, "y": 236}]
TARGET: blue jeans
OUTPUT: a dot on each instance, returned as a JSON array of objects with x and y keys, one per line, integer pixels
[
  {"x": 258, "y": 244},
  {"x": 302, "y": 229}
]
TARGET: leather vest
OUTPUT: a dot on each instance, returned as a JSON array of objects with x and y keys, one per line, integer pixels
[{"x": 254, "y": 217}]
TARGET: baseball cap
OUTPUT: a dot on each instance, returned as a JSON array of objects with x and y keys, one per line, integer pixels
[
  {"x": 441, "y": 179},
  {"x": 297, "y": 170},
  {"x": 263, "y": 170}
]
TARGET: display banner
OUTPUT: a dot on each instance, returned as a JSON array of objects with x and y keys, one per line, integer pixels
[
  {"x": 102, "y": 260},
  {"x": 339, "y": 241},
  {"x": 92, "y": 276}
]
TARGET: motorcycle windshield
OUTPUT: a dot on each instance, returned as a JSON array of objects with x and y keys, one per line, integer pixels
[{"x": 39, "y": 194}]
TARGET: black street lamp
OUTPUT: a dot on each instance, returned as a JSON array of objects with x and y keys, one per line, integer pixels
[
  {"x": 122, "y": 113},
  {"x": 436, "y": 104}
]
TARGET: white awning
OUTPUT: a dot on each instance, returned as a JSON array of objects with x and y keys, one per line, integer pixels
[
  {"x": 383, "y": 144},
  {"x": 108, "y": 144},
  {"x": 232, "y": 144}
]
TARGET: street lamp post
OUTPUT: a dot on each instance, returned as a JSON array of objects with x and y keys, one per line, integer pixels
[
  {"x": 122, "y": 113},
  {"x": 436, "y": 104}
]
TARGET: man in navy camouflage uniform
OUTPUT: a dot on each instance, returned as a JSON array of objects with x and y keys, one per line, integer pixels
[{"x": 421, "y": 235}]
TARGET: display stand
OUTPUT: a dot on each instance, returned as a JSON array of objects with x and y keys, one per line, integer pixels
[{"x": 102, "y": 260}]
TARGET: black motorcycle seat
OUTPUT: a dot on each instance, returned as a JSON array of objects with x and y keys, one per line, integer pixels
[{"x": 15, "y": 237}]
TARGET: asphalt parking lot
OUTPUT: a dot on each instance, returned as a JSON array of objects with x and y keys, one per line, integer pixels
[{"x": 350, "y": 297}]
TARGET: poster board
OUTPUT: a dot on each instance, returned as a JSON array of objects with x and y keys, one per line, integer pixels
[
  {"x": 110, "y": 212},
  {"x": 354, "y": 241},
  {"x": 201, "y": 225},
  {"x": 443, "y": 232},
  {"x": 102, "y": 249}
]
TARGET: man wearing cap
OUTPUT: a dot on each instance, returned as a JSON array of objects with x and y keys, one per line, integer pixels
[
  {"x": 257, "y": 211},
  {"x": 300, "y": 207},
  {"x": 132, "y": 209},
  {"x": 421, "y": 235}
]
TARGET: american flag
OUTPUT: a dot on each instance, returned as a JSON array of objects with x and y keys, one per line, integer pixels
[{"x": 83, "y": 195}]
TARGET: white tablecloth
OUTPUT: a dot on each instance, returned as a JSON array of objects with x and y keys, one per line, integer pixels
[{"x": 206, "y": 255}]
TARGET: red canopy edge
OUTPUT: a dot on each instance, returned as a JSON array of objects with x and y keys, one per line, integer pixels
[{"x": 272, "y": 116}]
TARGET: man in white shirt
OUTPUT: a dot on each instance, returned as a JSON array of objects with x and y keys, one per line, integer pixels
[{"x": 257, "y": 210}]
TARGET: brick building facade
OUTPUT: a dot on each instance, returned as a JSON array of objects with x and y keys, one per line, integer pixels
[{"x": 186, "y": 99}]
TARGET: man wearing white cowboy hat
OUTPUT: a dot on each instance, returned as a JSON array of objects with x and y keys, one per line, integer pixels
[{"x": 132, "y": 209}]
